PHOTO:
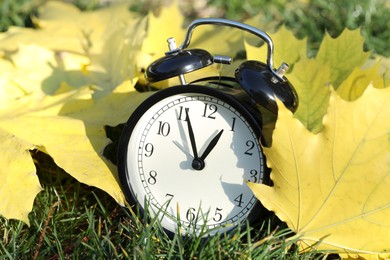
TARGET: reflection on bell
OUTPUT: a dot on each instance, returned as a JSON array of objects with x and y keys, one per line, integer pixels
[
  {"x": 178, "y": 63},
  {"x": 256, "y": 79}
]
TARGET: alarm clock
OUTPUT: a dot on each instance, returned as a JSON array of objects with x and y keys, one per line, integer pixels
[{"x": 187, "y": 152}]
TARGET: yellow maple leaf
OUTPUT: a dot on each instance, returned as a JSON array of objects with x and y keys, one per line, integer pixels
[
  {"x": 284, "y": 42},
  {"x": 168, "y": 24},
  {"x": 70, "y": 128},
  {"x": 106, "y": 42},
  {"x": 216, "y": 39},
  {"x": 34, "y": 68},
  {"x": 356, "y": 83},
  {"x": 342, "y": 54},
  {"x": 19, "y": 183},
  {"x": 57, "y": 96},
  {"x": 62, "y": 26},
  {"x": 332, "y": 187},
  {"x": 311, "y": 81}
]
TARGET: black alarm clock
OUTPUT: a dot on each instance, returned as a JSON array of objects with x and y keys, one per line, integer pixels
[{"x": 186, "y": 152}]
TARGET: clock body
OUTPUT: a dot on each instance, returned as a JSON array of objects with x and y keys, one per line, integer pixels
[{"x": 157, "y": 156}]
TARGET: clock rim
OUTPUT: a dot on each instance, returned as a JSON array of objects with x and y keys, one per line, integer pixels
[{"x": 255, "y": 213}]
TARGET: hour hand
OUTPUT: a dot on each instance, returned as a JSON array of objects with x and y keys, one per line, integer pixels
[
  {"x": 211, "y": 145},
  {"x": 198, "y": 162},
  {"x": 191, "y": 133}
]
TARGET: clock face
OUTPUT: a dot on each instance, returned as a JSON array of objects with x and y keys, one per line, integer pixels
[{"x": 188, "y": 153}]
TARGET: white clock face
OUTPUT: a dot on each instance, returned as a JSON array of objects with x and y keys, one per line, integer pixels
[{"x": 201, "y": 182}]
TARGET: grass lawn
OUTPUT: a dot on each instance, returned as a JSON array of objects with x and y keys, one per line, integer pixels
[{"x": 72, "y": 220}]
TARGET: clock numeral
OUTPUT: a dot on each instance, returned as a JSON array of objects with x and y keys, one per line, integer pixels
[
  {"x": 149, "y": 148},
  {"x": 254, "y": 177},
  {"x": 250, "y": 144},
  {"x": 209, "y": 110},
  {"x": 152, "y": 177},
  {"x": 190, "y": 215},
  {"x": 217, "y": 215},
  {"x": 169, "y": 196},
  {"x": 239, "y": 200},
  {"x": 233, "y": 124},
  {"x": 163, "y": 128},
  {"x": 182, "y": 115}
]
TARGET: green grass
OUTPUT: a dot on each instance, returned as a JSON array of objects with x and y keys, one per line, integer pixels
[
  {"x": 306, "y": 18},
  {"x": 72, "y": 220},
  {"x": 312, "y": 18}
]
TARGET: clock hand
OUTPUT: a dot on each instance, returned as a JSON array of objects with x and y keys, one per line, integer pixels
[
  {"x": 211, "y": 145},
  {"x": 191, "y": 133}
]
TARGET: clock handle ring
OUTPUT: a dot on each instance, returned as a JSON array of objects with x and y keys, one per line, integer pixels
[{"x": 218, "y": 21}]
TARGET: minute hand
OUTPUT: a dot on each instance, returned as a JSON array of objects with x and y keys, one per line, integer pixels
[
  {"x": 192, "y": 137},
  {"x": 211, "y": 145}
]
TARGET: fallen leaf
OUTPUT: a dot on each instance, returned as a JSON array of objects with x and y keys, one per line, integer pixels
[
  {"x": 230, "y": 40},
  {"x": 311, "y": 80},
  {"x": 70, "y": 128},
  {"x": 356, "y": 83},
  {"x": 63, "y": 27},
  {"x": 33, "y": 68},
  {"x": 284, "y": 42},
  {"x": 106, "y": 42},
  {"x": 332, "y": 187},
  {"x": 19, "y": 183},
  {"x": 170, "y": 23},
  {"x": 342, "y": 54},
  {"x": 57, "y": 97}
]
